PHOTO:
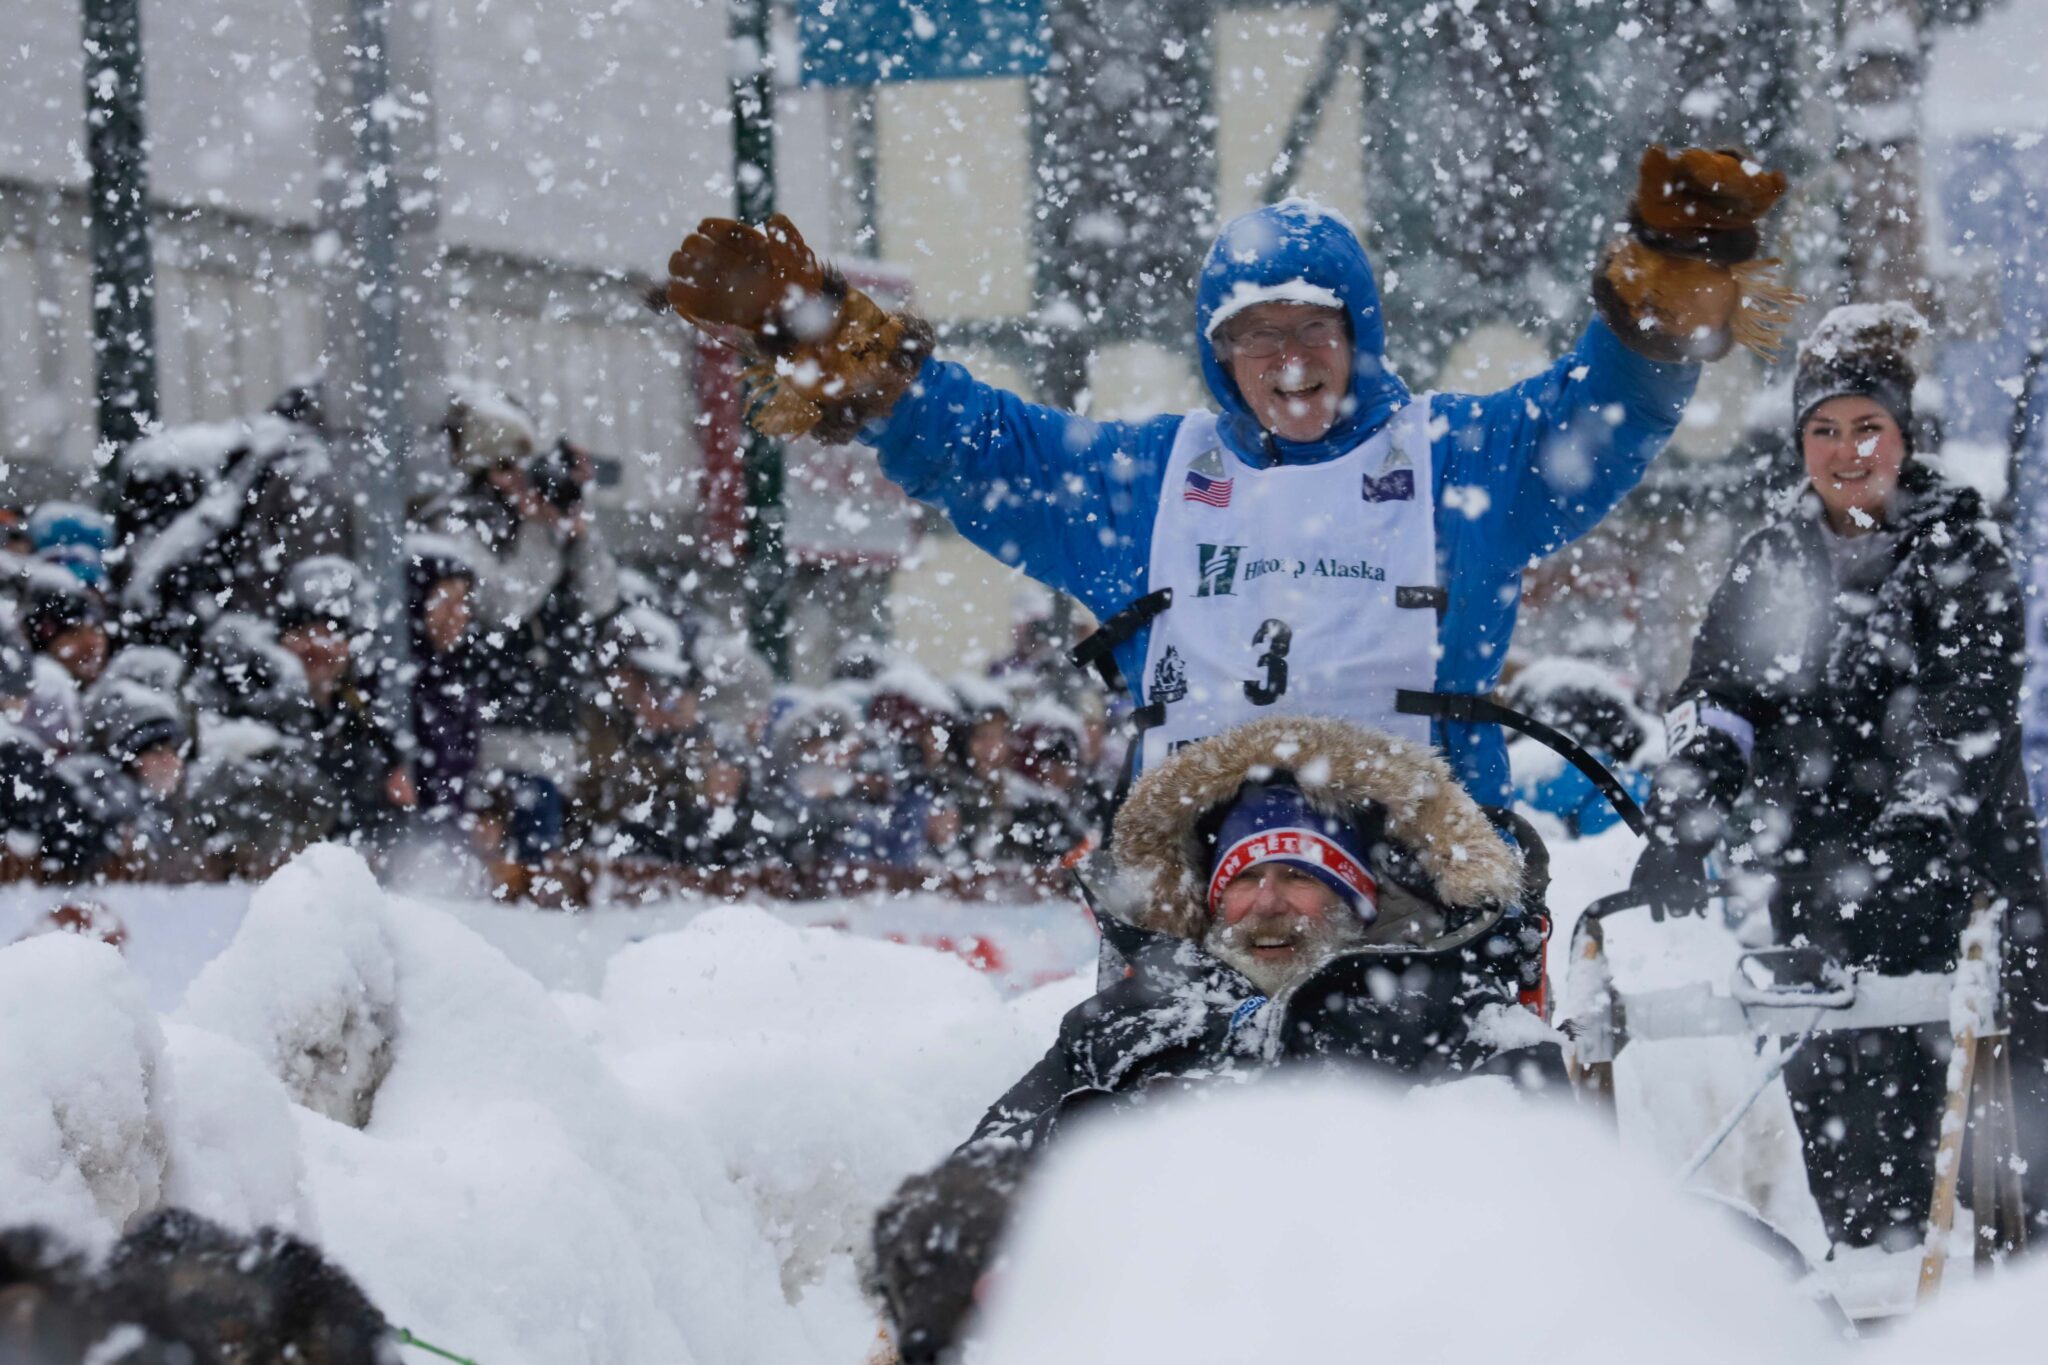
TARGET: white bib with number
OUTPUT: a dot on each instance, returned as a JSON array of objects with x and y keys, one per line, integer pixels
[{"x": 1285, "y": 584}]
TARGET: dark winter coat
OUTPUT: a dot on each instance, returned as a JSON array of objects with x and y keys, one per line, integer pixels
[
  {"x": 638, "y": 787},
  {"x": 1887, "y": 708},
  {"x": 447, "y": 704},
  {"x": 539, "y": 601},
  {"x": 1180, "y": 1014},
  {"x": 1182, "y": 1018},
  {"x": 277, "y": 501},
  {"x": 357, "y": 755}
]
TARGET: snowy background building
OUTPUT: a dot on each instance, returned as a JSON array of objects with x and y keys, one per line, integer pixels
[{"x": 574, "y": 147}]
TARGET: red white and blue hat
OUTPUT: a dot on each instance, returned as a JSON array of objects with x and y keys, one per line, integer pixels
[{"x": 1274, "y": 823}]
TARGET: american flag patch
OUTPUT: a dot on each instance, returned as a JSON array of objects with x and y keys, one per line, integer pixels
[{"x": 1203, "y": 489}]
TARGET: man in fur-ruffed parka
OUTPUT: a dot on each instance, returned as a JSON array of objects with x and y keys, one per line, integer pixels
[{"x": 1295, "y": 889}]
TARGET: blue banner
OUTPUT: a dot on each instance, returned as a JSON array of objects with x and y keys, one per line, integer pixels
[{"x": 866, "y": 42}]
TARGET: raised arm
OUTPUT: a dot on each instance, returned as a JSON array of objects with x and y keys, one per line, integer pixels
[
  {"x": 1541, "y": 462},
  {"x": 1068, "y": 500}
]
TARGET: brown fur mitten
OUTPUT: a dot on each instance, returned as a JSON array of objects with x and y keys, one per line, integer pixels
[
  {"x": 823, "y": 358},
  {"x": 1684, "y": 283}
]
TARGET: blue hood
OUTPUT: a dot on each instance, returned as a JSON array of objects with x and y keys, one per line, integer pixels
[{"x": 1296, "y": 241}]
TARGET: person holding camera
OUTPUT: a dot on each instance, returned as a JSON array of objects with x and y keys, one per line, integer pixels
[{"x": 544, "y": 580}]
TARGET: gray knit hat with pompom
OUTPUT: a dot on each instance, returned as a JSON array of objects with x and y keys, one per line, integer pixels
[{"x": 1861, "y": 350}]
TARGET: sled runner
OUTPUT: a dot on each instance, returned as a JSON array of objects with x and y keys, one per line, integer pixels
[{"x": 1788, "y": 995}]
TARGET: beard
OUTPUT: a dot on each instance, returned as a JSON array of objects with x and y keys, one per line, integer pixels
[{"x": 1312, "y": 940}]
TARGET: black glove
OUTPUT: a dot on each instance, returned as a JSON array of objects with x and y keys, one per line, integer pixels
[
  {"x": 934, "y": 1240},
  {"x": 1912, "y": 917},
  {"x": 1671, "y": 878},
  {"x": 1687, "y": 809},
  {"x": 1408, "y": 1014}
]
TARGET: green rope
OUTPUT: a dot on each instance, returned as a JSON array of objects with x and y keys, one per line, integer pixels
[{"x": 406, "y": 1338}]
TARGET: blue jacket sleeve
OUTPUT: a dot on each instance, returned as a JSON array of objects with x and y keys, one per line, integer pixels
[
  {"x": 1540, "y": 463},
  {"x": 1518, "y": 474},
  {"x": 1068, "y": 500}
]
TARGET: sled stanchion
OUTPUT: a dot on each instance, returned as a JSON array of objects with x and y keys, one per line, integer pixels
[
  {"x": 1948, "y": 1161},
  {"x": 1972, "y": 1021},
  {"x": 2012, "y": 1202},
  {"x": 1735, "y": 1116},
  {"x": 1982, "y": 1150},
  {"x": 1786, "y": 991},
  {"x": 883, "y": 1352}
]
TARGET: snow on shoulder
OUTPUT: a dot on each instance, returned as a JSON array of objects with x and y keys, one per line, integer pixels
[{"x": 1337, "y": 1220}]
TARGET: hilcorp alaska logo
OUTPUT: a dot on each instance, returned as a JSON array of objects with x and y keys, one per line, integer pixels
[{"x": 1219, "y": 568}]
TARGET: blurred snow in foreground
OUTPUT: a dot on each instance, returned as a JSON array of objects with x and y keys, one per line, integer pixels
[{"x": 1344, "y": 1221}]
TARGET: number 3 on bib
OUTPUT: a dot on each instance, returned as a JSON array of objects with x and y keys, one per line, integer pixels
[{"x": 1275, "y": 636}]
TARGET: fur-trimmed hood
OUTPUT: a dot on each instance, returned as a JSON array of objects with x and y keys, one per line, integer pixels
[{"x": 1340, "y": 767}]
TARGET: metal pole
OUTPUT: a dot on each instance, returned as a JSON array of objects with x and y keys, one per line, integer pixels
[
  {"x": 753, "y": 152},
  {"x": 867, "y": 163},
  {"x": 123, "y": 276},
  {"x": 1883, "y": 67},
  {"x": 377, "y": 207}
]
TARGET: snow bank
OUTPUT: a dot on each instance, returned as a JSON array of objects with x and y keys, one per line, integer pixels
[
  {"x": 866, "y": 1085},
  {"x": 1331, "y": 1220},
  {"x": 309, "y": 984},
  {"x": 81, "y": 1141},
  {"x": 677, "y": 1168},
  {"x": 1998, "y": 1318}
]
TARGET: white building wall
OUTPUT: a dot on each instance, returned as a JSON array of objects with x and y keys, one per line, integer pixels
[
  {"x": 591, "y": 134},
  {"x": 570, "y": 136}
]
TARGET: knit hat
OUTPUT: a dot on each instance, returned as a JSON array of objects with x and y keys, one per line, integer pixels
[
  {"x": 1861, "y": 350},
  {"x": 1274, "y": 823},
  {"x": 643, "y": 639},
  {"x": 324, "y": 589},
  {"x": 69, "y": 523},
  {"x": 126, "y": 719},
  {"x": 487, "y": 426},
  {"x": 430, "y": 558},
  {"x": 56, "y": 602}
]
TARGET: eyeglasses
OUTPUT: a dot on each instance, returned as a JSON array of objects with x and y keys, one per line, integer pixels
[{"x": 1316, "y": 334}]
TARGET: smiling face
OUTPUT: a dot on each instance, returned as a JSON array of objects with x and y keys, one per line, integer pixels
[
  {"x": 1298, "y": 387},
  {"x": 1853, "y": 450},
  {"x": 1277, "y": 922}
]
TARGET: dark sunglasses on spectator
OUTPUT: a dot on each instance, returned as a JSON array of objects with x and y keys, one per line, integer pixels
[{"x": 1316, "y": 334}]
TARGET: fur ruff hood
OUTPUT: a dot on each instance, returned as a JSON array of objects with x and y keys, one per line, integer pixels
[{"x": 1339, "y": 767}]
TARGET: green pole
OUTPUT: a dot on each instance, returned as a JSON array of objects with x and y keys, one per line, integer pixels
[
  {"x": 753, "y": 150},
  {"x": 123, "y": 276}
]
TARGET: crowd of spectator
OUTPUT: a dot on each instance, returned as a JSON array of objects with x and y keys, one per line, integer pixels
[{"x": 187, "y": 693}]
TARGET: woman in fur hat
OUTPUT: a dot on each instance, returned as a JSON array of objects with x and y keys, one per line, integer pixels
[
  {"x": 1856, "y": 683},
  {"x": 1295, "y": 889}
]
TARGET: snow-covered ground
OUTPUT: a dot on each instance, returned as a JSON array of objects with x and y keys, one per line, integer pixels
[
  {"x": 671, "y": 1164},
  {"x": 657, "y": 1136}
]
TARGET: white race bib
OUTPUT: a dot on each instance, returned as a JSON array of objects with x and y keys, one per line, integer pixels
[{"x": 1285, "y": 584}]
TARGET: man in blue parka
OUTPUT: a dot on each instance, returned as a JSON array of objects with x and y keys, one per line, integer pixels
[{"x": 1324, "y": 541}]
